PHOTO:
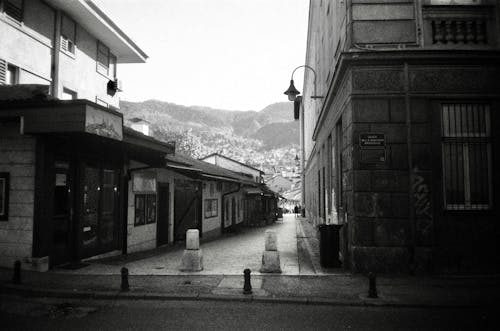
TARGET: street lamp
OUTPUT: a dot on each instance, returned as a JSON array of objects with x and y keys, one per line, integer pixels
[
  {"x": 292, "y": 92},
  {"x": 293, "y": 95}
]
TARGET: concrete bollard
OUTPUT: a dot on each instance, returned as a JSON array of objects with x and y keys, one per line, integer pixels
[
  {"x": 247, "y": 286},
  {"x": 16, "y": 277},
  {"x": 372, "y": 291},
  {"x": 192, "y": 258},
  {"x": 271, "y": 256},
  {"x": 124, "y": 286}
]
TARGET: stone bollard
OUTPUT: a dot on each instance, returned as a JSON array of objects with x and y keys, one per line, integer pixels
[
  {"x": 271, "y": 256},
  {"x": 16, "y": 277},
  {"x": 372, "y": 290},
  {"x": 247, "y": 286},
  {"x": 124, "y": 285},
  {"x": 192, "y": 259}
]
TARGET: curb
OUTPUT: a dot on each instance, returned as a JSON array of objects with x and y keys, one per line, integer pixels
[{"x": 119, "y": 295}]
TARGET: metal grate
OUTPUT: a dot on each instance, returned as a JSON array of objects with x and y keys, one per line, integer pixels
[{"x": 466, "y": 147}]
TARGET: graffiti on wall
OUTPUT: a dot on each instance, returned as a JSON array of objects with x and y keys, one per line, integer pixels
[{"x": 422, "y": 202}]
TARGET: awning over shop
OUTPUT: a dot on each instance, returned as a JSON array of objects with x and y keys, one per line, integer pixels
[{"x": 65, "y": 116}]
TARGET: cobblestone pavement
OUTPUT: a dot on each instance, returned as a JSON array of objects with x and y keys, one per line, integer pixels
[
  {"x": 228, "y": 255},
  {"x": 303, "y": 280}
]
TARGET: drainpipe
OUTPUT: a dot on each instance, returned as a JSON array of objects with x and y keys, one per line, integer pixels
[
  {"x": 56, "y": 46},
  {"x": 413, "y": 244},
  {"x": 302, "y": 162}
]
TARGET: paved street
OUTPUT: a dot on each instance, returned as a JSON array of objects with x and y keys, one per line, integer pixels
[
  {"x": 229, "y": 255},
  {"x": 54, "y": 314}
]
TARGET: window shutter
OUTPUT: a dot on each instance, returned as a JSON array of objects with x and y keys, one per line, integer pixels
[
  {"x": 64, "y": 43},
  {"x": 3, "y": 69},
  {"x": 14, "y": 8}
]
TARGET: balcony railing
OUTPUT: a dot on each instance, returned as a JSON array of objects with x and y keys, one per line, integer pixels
[
  {"x": 459, "y": 31},
  {"x": 459, "y": 26}
]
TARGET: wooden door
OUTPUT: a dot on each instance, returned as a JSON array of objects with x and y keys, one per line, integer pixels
[
  {"x": 99, "y": 212},
  {"x": 187, "y": 208},
  {"x": 163, "y": 214}
]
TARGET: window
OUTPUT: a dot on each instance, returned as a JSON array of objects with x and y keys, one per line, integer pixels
[
  {"x": 9, "y": 73},
  {"x": 68, "y": 35},
  {"x": 466, "y": 146},
  {"x": 68, "y": 94},
  {"x": 4, "y": 196},
  {"x": 13, "y": 8},
  {"x": 211, "y": 208},
  {"x": 145, "y": 209},
  {"x": 106, "y": 62}
]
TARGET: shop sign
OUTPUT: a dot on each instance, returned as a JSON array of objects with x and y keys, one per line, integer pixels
[{"x": 103, "y": 124}]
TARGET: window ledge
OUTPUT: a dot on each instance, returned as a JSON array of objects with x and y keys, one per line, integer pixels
[
  {"x": 22, "y": 28},
  {"x": 69, "y": 54}
]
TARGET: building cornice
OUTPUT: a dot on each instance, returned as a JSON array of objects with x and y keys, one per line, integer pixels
[{"x": 419, "y": 57}]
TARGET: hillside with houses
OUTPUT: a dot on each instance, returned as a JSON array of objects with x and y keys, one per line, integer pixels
[{"x": 266, "y": 139}]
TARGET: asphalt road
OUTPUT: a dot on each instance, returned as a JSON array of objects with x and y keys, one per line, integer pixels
[{"x": 56, "y": 314}]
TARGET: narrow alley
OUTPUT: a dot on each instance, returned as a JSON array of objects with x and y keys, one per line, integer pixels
[{"x": 228, "y": 255}]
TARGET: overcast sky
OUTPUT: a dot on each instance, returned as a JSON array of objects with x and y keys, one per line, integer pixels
[{"x": 228, "y": 54}]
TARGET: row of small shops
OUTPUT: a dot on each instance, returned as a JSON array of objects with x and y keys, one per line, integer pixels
[{"x": 75, "y": 183}]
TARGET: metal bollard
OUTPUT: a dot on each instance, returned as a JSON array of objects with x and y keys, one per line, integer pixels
[
  {"x": 247, "y": 287},
  {"x": 16, "y": 278},
  {"x": 372, "y": 291},
  {"x": 124, "y": 286}
]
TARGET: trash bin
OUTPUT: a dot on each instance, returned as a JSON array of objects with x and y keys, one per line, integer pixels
[{"x": 329, "y": 245}]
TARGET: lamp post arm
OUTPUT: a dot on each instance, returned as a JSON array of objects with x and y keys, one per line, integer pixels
[{"x": 314, "y": 72}]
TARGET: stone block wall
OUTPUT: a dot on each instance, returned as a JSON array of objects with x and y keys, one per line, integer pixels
[{"x": 17, "y": 157}]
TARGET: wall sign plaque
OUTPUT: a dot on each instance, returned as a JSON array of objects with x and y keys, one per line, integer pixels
[
  {"x": 372, "y": 140},
  {"x": 372, "y": 147}
]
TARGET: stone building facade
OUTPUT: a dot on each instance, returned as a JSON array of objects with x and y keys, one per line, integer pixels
[{"x": 401, "y": 148}]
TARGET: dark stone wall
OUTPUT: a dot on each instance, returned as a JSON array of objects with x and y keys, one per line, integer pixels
[
  {"x": 399, "y": 222},
  {"x": 394, "y": 209}
]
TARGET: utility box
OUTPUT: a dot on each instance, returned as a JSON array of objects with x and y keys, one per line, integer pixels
[{"x": 329, "y": 245}]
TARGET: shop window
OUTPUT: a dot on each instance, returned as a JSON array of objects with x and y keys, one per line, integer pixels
[
  {"x": 13, "y": 9},
  {"x": 4, "y": 196},
  {"x": 145, "y": 209},
  {"x": 467, "y": 161},
  {"x": 211, "y": 208}
]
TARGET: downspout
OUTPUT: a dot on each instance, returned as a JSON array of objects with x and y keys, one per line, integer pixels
[
  {"x": 56, "y": 45},
  {"x": 302, "y": 161},
  {"x": 412, "y": 245}
]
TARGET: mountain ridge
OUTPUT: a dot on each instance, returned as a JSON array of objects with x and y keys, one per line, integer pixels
[{"x": 247, "y": 136}]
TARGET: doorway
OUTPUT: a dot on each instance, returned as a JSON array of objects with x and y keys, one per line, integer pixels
[
  {"x": 163, "y": 214},
  {"x": 99, "y": 210},
  {"x": 62, "y": 248},
  {"x": 187, "y": 208}
]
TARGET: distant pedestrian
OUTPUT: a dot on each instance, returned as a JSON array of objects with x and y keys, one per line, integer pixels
[{"x": 296, "y": 210}]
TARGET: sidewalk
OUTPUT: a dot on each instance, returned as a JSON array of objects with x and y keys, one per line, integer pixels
[
  {"x": 350, "y": 290},
  {"x": 155, "y": 275}
]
